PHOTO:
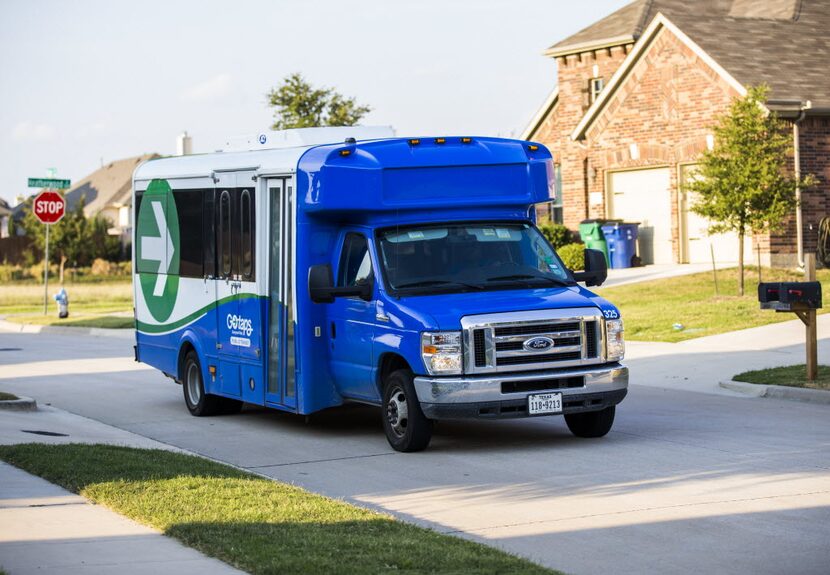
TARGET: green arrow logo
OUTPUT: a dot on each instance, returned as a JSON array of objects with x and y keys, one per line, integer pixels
[{"x": 157, "y": 249}]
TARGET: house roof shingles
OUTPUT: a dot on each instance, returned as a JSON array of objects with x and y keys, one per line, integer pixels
[
  {"x": 777, "y": 42},
  {"x": 110, "y": 184}
]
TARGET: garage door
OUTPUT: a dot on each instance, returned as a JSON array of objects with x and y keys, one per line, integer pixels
[
  {"x": 643, "y": 196},
  {"x": 699, "y": 244}
]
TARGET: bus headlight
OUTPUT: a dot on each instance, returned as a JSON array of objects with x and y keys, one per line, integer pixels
[
  {"x": 614, "y": 340},
  {"x": 441, "y": 351}
]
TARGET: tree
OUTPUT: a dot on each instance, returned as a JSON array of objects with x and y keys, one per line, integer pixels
[
  {"x": 744, "y": 184},
  {"x": 75, "y": 239},
  {"x": 299, "y": 105}
]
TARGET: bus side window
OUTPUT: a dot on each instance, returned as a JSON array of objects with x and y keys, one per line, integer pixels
[
  {"x": 209, "y": 232},
  {"x": 246, "y": 236},
  {"x": 191, "y": 256},
  {"x": 224, "y": 234}
]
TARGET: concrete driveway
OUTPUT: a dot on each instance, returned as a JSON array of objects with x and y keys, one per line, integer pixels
[{"x": 686, "y": 482}]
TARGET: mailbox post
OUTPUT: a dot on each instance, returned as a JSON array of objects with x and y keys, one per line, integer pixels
[{"x": 802, "y": 299}]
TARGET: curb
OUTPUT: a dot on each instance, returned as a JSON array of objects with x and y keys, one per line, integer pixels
[
  {"x": 778, "y": 391},
  {"x": 19, "y": 404},
  {"x": 9, "y": 326}
]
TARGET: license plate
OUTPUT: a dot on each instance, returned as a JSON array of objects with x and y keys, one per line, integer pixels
[{"x": 542, "y": 403}]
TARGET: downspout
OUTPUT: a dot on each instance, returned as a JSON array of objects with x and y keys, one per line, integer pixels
[{"x": 799, "y": 232}]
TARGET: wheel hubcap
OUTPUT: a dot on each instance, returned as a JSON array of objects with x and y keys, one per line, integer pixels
[
  {"x": 194, "y": 384},
  {"x": 397, "y": 412}
]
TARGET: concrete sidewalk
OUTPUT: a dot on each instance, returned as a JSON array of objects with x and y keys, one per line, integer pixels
[
  {"x": 701, "y": 364},
  {"x": 658, "y": 271},
  {"x": 46, "y": 529}
]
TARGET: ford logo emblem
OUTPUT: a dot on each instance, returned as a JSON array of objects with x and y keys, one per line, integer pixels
[{"x": 538, "y": 344}]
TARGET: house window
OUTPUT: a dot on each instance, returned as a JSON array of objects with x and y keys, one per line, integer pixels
[{"x": 595, "y": 86}]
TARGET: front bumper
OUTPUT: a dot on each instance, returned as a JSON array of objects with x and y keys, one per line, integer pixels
[{"x": 505, "y": 395}]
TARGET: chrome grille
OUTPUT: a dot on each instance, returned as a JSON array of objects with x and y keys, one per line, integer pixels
[{"x": 532, "y": 340}]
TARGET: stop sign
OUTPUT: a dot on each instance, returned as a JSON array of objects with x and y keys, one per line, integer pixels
[{"x": 49, "y": 207}]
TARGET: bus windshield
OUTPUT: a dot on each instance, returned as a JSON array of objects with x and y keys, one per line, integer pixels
[{"x": 468, "y": 257}]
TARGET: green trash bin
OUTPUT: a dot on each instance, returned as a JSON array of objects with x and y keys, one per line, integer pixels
[{"x": 591, "y": 233}]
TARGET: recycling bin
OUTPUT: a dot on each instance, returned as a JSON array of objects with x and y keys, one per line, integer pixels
[
  {"x": 622, "y": 244},
  {"x": 590, "y": 231}
]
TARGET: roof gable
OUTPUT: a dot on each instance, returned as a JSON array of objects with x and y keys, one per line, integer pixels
[
  {"x": 659, "y": 23},
  {"x": 781, "y": 43}
]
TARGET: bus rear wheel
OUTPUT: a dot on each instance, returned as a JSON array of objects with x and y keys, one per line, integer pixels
[
  {"x": 200, "y": 403},
  {"x": 407, "y": 428}
]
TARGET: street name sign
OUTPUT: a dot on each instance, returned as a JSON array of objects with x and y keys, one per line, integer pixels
[
  {"x": 48, "y": 183},
  {"x": 49, "y": 207}
]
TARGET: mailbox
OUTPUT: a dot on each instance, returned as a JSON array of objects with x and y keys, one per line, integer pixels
[{"x": 790, "y": 296}]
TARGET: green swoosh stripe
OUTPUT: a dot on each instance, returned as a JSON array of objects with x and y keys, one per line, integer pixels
[{"x": 190, "y": 318}]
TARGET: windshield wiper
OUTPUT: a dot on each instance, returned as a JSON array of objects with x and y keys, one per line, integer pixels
[
  {"x": 555, "y": 281},
  {"x": 428, "y": 283}
]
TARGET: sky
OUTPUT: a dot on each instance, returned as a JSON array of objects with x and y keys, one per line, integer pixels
[{"x": 86, "y": 82}]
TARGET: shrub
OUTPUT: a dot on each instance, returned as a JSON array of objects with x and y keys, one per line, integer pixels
[
  {"x": 557, "y": 234},
  {"x": 101, "y": 267},
  {"x": 573, "y": 256}
]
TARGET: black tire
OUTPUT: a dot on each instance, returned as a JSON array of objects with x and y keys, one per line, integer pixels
[
  {"x": 197, "y": 401},
  {"x": 406, "y": 426},
  {"x": 591, "y": 423}
]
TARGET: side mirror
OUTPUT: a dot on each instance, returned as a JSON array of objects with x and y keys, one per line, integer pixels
[
  {"x": 596, "y": 269},
  {"x": 321, "y": 287},
  {"x": 320, "y": 283}
]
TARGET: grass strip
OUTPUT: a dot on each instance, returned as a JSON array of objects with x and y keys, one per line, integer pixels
[
  {"x": 7, "y": 396},
  {"x": 76, "y": 320},
  {"x": 255, "y": 524},
  {"x": 790, "y": 375},
  {"x": 652, "y": 308}
]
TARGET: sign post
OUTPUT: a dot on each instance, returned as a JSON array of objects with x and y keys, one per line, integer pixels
[{"x": 49, "y": 207}]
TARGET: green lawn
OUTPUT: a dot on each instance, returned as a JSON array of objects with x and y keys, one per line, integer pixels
[
  {"x": 90, "y": 304},
  {"x": 650, "y": 309},
  {"x": 255, "y": 524},
  {"x": 7, "y": 396},
  {"x": 791, "y": 376}
]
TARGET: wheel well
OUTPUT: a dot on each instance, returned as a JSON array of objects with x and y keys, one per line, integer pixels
[
  {"x": 390, "y": 362},
  {"x": 186, "y": 348}
]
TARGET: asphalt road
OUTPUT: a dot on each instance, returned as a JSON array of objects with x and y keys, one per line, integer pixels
[{"x": 686, "y": 482}]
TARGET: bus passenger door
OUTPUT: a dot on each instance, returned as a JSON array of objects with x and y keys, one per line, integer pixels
[
  {"x": 227, "y": 306},
  {"x": 281, "y": 372}
]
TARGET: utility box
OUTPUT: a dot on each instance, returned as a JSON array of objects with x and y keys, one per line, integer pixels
[{"x": 790, "y": 296}]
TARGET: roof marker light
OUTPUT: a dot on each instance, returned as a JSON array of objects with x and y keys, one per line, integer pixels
[
  {"x": 533, "y": 147},
  {"x": 466, "y": 140},
  {"x": 440, "y": 140},
  {"x": 414, "y": 142},
  {"x": 345, "y": 152}
]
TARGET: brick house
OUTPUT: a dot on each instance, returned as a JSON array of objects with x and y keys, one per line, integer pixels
[{"x": 638, "y": 93}]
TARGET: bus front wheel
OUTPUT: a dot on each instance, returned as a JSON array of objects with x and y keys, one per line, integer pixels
[
  {"x": 406, "y": 426},
  {"x": 199, "y": 402}
]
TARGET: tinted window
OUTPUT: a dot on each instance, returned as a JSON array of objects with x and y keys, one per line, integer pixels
[
  {"x": 355, "y": 263},
  {"x": 246, "y": 209},
  {"x": 224, "y": 240},
  {"x": 189, "y": 208},
  {"x": 209, "y": 232}
]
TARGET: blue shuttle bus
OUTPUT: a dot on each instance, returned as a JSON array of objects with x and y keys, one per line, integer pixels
[{"x": 305, "y": 269}]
